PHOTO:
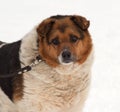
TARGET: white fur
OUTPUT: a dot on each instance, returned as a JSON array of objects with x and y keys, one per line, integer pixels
[
  {"x": 47, "y": 89},
  {"x": 5, "y": 104}
]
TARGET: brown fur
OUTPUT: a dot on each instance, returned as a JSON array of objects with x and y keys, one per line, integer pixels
[
  {"x": 62, "y": 28},
  {"x": 18, "y": 88}
]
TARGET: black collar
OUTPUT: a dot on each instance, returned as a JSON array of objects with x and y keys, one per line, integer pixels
[{"x": 24, "y": 69}]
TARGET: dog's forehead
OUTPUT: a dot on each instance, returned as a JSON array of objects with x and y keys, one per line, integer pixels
[
  {"x": 62, "y": 27},
  {"x": 63, "y": 24}
]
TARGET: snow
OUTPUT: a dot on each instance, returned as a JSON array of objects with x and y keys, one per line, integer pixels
[{"x": 19, "y": 17}]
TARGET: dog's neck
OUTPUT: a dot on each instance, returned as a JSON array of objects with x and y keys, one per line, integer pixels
[{"x": 29, "y": 48}]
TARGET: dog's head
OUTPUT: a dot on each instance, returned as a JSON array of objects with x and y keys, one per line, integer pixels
[{"x": 64, "y": 40}]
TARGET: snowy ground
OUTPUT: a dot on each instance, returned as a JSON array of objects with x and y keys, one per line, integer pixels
[{"x": 18, "y": 17}]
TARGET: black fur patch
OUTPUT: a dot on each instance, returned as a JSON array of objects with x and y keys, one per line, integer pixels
[
  {"x": 1, "y": 42},
  {"x": 59, "y": 17},
  {"x": 9, "y": 62}
]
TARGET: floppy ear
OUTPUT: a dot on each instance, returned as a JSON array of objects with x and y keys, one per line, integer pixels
[
  {"x": 81, "y": 22},
  {"x": 45, "y": 27}
]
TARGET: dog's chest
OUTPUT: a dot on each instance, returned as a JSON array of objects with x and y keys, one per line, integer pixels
[{"x": 51, "y": 92}]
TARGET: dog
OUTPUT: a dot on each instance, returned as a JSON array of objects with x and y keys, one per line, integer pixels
[{"x": 60, "y": 82}]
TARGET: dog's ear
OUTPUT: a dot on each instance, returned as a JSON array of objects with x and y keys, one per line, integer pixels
[
  {"x": 45, "y": 27},
  {"x": 81, "y": 22}
]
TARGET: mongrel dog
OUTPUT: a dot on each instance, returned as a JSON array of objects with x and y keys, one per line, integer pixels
[{"x": 61, "y": 81}]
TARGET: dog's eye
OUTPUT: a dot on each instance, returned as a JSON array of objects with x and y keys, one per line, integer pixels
[
  {"x": 73, "y": 38},
  {"x": 55, "y": 41}
]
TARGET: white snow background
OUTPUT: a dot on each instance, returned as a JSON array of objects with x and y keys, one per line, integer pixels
[{"x": 17, "y": 17}]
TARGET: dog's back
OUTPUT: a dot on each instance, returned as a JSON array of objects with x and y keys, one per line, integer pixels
[
  {"x": 9, "y": 62},
  {"x": 5, "y": 104}
]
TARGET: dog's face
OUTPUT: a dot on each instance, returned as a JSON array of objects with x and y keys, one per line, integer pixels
[{"x": 64, "y": 40}]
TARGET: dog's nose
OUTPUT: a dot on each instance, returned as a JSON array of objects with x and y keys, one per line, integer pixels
[{"x": 66, "y": 55}]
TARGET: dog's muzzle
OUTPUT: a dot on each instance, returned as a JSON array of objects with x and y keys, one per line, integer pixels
[{"x": 66, "y": 57}]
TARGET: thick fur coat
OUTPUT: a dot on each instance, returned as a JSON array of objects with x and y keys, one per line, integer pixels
[{"x": 47, "y": 87}]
